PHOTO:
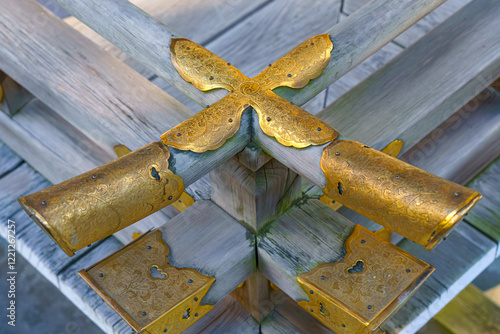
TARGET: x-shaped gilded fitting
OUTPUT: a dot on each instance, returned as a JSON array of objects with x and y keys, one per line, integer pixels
[{"x": 278, "y": 118}]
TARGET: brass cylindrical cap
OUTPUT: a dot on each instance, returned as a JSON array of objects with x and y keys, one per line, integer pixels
[
  {"x": 98, "y": 203},
  {"x": 412, "y": 202}
]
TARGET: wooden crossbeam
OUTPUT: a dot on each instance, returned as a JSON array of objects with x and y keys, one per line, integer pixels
[{"x": 113, "y": 19}]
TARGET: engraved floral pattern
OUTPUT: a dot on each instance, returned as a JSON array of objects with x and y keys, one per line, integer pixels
[
  {"x": 401, "y": 197},
  {"x": 290, "y": 125},
  {"x": 385, "y": 280}
]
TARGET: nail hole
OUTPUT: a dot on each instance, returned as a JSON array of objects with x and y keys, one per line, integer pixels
[
  {"x": 143, "y": 314},
  {"x": 230, "y": 120},
  {"x": 357, "y": 268},
  {"x": 195, "y": 299},
  {"x": 94, "y": 176},
  {"x": 311, "y": 292},
  {"x": 341, "y": 190},
  {"x": 211, "y": 78},
  {"x": 43, "y": 202},
  {"x": 312, "y": 43},
  {"x": 268, "y": 119},
  {"x": 155, "y": 174},
  {"x": 337, "y": 153},
  {"x": 157, "y": 273},
  {"x": 228, "y": 64},
  {"x": 291, "y": 103},
  {"x": 343, "y": 325},
  {"x": 289, "y": 75},
  {"x": 101, "y": 275},
  {"x": 270, "y": 65},
  {"x": 370, "y": 307},
  {"x": 187, "y": 314},
  {"x": 170, "y": 198},
  {"x": 457, "y": 194},
  {"x": 311, "y": 310},
  {"x": 178, "y": 135},
  {"x": 366, "y": 146},
  {"x": 190, "y": 281},
  {"x": 333, "y": 202},
  {"x": 188, "y": 48},
  {"x": 165, "y": 330},
  {"x": 196, "y": 314},
  {"x": 148, "y": 247},
  {"x": 148, "y": 149},
  {"x": 408, "y": 270},
  {"x": 323, "y": 278},
  {"x": 363, "y": 241},
  {"x": 319, "y": 129},
  {"x": 207, "y": 106}
]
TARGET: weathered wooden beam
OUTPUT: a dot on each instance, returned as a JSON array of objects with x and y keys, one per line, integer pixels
[
  {"x": 422, "y": 82},
  {"x": 13, "y": 97},
  {"x": 91, "y": 89},
  {"x": 149, "y": 44}
]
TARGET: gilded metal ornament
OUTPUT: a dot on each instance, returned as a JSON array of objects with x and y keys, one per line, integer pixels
[
  {"x": 278, "y": 118},
  {"x": 146, "y": 291},
  {"x": 358, "y": 294},
  {"x": 118, "y": 193},
  {"x": 412, "y": 202}
]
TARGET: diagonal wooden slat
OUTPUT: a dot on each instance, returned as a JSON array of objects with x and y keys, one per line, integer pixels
[
  {"x": 355, "y": 39},
  {"x": 95, "y": 92}
]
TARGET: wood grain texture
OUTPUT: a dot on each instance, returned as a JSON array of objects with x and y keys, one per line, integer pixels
[
  {"x": 485, "y": 216},
  {"x": 458, "y": 260},
  {"x": 463, "y": 144},
  {"x": 8, "y": 160},
  {"x": 102, "y": 97},
  {"x": 305, "y": 236},
  {"x": 423, "y": 82},
  {"x": 211, "y": 20},
  {"x": 254, "y": 198},
  {"x": 220, "y": 248},
  {"x": 420, "y": 28},
  {"x": 470, "y": 312}
]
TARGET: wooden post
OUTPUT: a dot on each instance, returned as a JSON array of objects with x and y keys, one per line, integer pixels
[{"x": 255, "y": 189}]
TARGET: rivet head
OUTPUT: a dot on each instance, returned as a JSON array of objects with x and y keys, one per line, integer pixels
[
  {"x": 230, "y": 120},
  {"x": 333, "y": 201},
  {"x": 143, "y": 314},
  {"x": 337, "y": 153},
  {"x": 101, "y": 275},
  {"x": 398, "y": 177},
  {"x": 43, "y": 202},
  {"x": 211, "y": 78},
  {"x": 228, "y": 64},
  {"x": 94, "y": 176},
  {"x": 311, "y": 292},
  {"x": 190, "y": 281},
  {"x": 343, "y": 325},
  {"x": 165, "y": 330},
  {"x": 170, "y": 197},
  {"x": 408, "y": 270},
  {"x": 323, "y": 278},
  {"x": 312, "y": 43},
  {"x": 363, "y": 241},
  {"x": 370, "y": 307},
  {"x": 196, "y": 314},
  {"x": 311, "y": 310},
  {"x": 148, "y": 247},
  {"x": 319, "y": 129},
  {"x": 268, "y": 119},
  {"x": 188, "y": 48},
  {"x": 289, "y": 75},
  {"x": 457, "y": 194},
  {"x": 178, "y": 135},
  {"x": 195, "y": 299}
]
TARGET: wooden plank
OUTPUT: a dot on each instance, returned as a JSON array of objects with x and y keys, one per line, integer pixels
[
  {"x": 113, "y": 19},
  {"x": 470, "y": 312},
  {"x": 458, "y": 260},
  {"x": 105, "y": 99},
  {"x": 305, "y": 236},
  {"x": 486, "y": 215},
  {"x": 463, "y": 144},
  {"x": 213, "y": 20},
  {"x": 469, "y": 39},
  {"x": 8, "y": 160},
  {"x": 420, "y": 28}
]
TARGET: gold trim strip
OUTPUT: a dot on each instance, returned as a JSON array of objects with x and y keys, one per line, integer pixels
[
  {"x": 96, "y": 204},
  {"x": 412, "y": 202}
]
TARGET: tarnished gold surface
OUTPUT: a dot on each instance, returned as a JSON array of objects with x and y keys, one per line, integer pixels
[
  {"x": 96, "y": 204},
  {"x": 182, "y": 203},
  {"x": 278, "y": 118},
  {"x": 148, "y": 293},
  {"x": 392, "y": 149},
  {"x": 412, "y": 202},
  {"x": 357, "y": 295}
]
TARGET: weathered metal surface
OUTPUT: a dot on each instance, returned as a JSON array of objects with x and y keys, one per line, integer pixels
[
  {"x": 412, "y": 202},
  {"x": 359, "y": 293},
  {"x": 278, "y": 118},
  {"x": 96, "y": 204},
  {"x": 148, "y": 293}
]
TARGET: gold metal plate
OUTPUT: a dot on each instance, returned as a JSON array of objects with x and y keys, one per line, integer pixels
[
  {"x": 98, "y": 203},
  {"x": 412, "y": 202},
  {"x": 278, "y": 118},
  {"x": 357, "y": 295},
  {"x": 149, "y": 294}
]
